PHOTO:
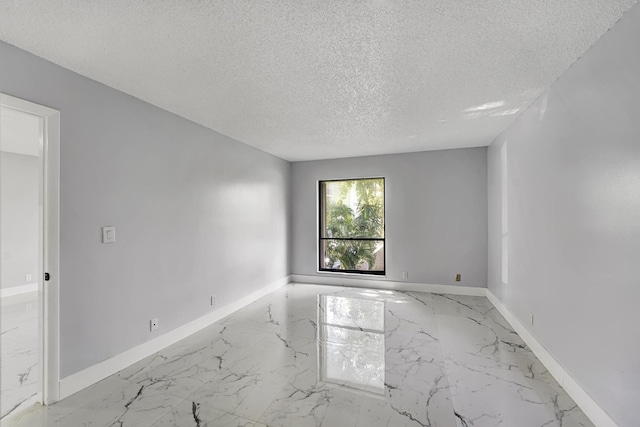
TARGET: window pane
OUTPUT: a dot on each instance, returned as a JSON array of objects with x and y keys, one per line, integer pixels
[
  {"x": 353, "y": 208},
  {"x": 363, "y": 255}
]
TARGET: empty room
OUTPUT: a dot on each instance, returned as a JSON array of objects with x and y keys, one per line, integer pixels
[{"x": 319, "y": 213}]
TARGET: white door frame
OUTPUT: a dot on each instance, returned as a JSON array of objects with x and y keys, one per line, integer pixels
[{"x": 49, "y": 353}]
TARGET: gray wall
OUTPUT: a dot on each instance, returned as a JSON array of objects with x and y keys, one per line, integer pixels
[
  {"x": 19, "y": 218},
  {"x": 436, "y": 213},
  {"x": 571, "y": 207},
  {"x": 196, "y": 213}
]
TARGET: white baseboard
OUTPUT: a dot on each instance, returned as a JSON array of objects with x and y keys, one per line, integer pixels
[
  {"x": 80, "y": 380},
  {"x": 18, "y": 290},
  {"x": 591, "y": 409},
  {"x": 83, "y": 379},
  {"x": 389, "y": 284}
]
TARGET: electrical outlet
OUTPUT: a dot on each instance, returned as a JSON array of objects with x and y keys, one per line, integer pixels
[
  {"x": 154, "y": 324},
  {"x": 531, "y": 318},
  {"x": 458, "y": 277},
  {"x": 213, "y": 300},
  {"x": 27, "y": 278},
  {"x": 405, "y": 274}
]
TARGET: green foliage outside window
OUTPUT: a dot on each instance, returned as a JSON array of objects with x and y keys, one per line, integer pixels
[{"x": 354, "y": 210}]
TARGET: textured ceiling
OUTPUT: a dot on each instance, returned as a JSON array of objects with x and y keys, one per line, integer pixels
[{"x": 322, "y": 78}]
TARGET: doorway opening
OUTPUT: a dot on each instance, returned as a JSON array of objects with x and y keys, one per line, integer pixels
[{"x": 29, "y": 170}]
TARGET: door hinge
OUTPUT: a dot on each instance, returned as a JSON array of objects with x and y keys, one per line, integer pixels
[{"x": 46, "y": 277}]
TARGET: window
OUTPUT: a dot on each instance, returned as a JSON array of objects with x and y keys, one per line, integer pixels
[{"x": 352, "y": 226}]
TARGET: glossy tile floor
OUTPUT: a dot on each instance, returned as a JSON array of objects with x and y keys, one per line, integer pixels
[
  {"x": 18, "y": 352},
  {"x": 311, "y": 355}
]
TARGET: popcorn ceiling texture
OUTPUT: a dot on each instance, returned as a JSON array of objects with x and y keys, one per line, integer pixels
[{"x": 322, "y": 78}]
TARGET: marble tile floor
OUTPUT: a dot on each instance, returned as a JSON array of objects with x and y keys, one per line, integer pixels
[
  {"x": 310, "y": 355},
  {"x": 18, "y": 352}
]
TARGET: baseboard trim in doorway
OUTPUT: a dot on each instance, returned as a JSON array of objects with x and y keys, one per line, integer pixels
[
  {"x": 89, "y": 376},
  {"x": 596, "y": 414},
  {"x": 389, "y": 284},
  {"x": 20, "y": 298},
  {"x": 13, "y": 291}
]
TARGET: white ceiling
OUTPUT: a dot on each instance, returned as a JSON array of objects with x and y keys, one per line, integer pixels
[
  {"x": 19, "y": 132},
  {"x": 312, "y": 79}
]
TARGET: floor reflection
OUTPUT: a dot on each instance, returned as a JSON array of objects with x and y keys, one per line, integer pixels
[
  {"x": 308, "y": 355},
  {"x": 351, "y": 350}
]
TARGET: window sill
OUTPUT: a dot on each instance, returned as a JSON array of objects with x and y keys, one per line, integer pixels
[{"x": 362, "y": 275}]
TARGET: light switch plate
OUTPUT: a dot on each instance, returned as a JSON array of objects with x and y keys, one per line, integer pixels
[{"x": 108, "y": 234}]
